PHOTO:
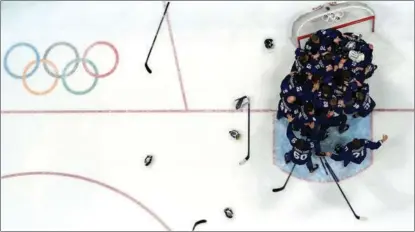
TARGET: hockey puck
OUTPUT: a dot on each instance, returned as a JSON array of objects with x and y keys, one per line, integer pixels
[
  {"x": 228, "y": 213},
  {"x": 148, "y": 160},
  {"x": 234, "y": 134}
]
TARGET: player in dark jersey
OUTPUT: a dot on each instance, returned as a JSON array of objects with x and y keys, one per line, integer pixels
[
  {"x": 336, "y": 39},
  {"x": 329, "y": 65},
  {"x": 301, "y": 60},
  {"x": 335, "y": 116},
  {"x": 288, "y": 105},
  {"x": 304, "y": 118},
  {"x": 345, "y": 63},
  {"x": 312, "y": 46},
  {"x": 321, "y": 101},
  {"x": 301, "y": 152},
  {"x": 310, "y": 89},
  {"x": 365, "y": 102},
  {"x": 351, "y": 106},
  {"x": 293, "y": 84},
  {"x": 321, "y": 41},
  {"x": 340, "y": 84},
  {"x": 356, "y": 150}
]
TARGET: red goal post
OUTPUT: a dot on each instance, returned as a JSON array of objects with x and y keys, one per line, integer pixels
[{"x": 331, "y": 15}]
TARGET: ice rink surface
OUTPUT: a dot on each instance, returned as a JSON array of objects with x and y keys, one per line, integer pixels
[{"x": 75, "y": 161}]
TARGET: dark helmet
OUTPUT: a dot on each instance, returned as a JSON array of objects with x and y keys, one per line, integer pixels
[{"x": 269, "y": 43}]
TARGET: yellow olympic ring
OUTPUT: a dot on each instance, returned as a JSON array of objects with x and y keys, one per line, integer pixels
[{"x": 35, "y": 92}]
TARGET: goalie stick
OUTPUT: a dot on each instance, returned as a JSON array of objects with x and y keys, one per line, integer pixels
[
  {"x": 239, "y": 105},
  {"x": 198, "y": 223},
  {"x": 154, "y": 40},
  {"x": 338, "y": 185},
  {"x": 285, "y": 184},
  {"x": 324, "y": 166}
]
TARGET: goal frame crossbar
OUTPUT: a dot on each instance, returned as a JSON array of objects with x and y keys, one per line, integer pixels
[{"x": 299, "y": 38}]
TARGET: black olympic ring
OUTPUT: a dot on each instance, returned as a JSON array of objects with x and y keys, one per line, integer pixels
[{"x": 45, "y": 57}]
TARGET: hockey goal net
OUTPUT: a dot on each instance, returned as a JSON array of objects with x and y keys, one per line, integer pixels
[{"x": 339, "y": 15}]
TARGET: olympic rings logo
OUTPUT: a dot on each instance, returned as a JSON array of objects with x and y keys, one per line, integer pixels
[{"x": 66, "y": 72}]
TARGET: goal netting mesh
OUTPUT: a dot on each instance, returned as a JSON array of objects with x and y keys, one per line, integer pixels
[{"x": 344, "y": 16}]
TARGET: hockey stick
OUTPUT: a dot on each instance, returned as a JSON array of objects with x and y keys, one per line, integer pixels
[
  {"x": 154, "y": 40},
  {"x": 198, "y": 222},
  {"x": 239, "y": 105},
  {"x": 324, "y": 166},
  {"x": 285, "y": 184},
  {"x": 338, "y": 185}
]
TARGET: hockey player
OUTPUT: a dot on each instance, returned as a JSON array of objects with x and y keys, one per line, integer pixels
[
  {"x": 363, "y": 74},
  {"x": 309, "y": 89},
  {"x": 288, "y": 105},
  {"x": 293, "y": 83},
  {"x": 304, "y": 118},
  {"x": 321, "y": 41},
  {"x": 329, "y": 111},
  {"x": 351, "y": 106},
  {"x": 335, "y": 116},
  {"x": 355, "y": 42},
  {"x": 365, "y": 102},
  {"x": 321, "y": 101},
  {"x": 308, "y": 123},
  {"x": 369, "y": 70},
  {"x": 356, "y": 150},
  {"x": 329, "y": 67},
  {"x": 345, "y": 63},
  {"x": 315, "y": 66},
  {"x": 340, "y": 84},
  {"x": 301, "y": 152},
  {"x": 301, "y": 60},
  {"x": 335, "y": 37},
  {"x": 312, "y": 46}
]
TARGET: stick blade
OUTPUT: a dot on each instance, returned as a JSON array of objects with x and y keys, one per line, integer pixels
[
  {"x": 198, "y": 223},
  {"x": 243, "y": 162},
  {"x": 147, "y": 68},
  {"x": 239, "y": 102},
  {"x": 277, "y": 189},
  {"x": 362, "y": 218}
]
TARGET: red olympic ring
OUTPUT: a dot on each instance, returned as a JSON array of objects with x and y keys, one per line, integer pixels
[{"x": 115, "y": 64}]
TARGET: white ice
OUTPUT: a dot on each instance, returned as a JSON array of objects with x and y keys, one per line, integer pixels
[{"x": 195, "y": 173}]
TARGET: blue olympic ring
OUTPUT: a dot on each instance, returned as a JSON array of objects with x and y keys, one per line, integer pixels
[{"x": 6, "y": 57}]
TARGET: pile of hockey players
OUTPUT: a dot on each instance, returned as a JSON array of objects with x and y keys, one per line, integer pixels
[{"x": 326, "y": 84}]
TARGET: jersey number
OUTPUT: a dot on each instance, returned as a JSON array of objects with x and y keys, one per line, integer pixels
[
  {"x": 366, "y": 105},
  {"x": 358, "y": 154},
  {"x": 298, "y": 156}
]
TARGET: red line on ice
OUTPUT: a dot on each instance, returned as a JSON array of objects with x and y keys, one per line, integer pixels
[
  {"x": 159, "y": 111},
  {"x": 132, "y": 111},
  {"x": 92, "y": 181},
  {"x": 176, "y": 59}
]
